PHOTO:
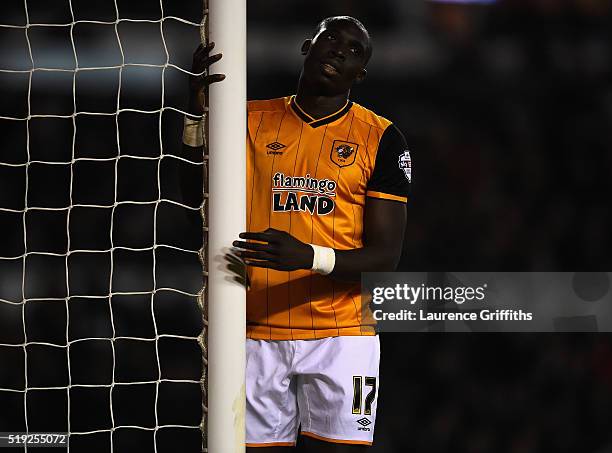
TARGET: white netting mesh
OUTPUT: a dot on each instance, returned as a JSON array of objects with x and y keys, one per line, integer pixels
[{"x": 102, "y": 313}]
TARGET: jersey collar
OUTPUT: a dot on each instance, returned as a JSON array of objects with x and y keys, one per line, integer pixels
[{"x": 312, "y": 122}]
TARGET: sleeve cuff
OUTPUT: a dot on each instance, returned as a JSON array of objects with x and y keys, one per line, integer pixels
[{"x": 386, "y": 196}]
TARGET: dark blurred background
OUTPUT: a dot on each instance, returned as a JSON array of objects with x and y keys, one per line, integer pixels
[{"x": 507, "y": 108}]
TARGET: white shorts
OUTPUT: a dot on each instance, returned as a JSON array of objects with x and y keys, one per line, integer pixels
[{"x": 326, "y": 388}]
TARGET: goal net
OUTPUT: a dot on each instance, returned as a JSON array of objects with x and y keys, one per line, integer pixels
[{"x": 102, "y": 263}]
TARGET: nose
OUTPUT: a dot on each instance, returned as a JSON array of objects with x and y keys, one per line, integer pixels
[{"x": 337, "y": 52}]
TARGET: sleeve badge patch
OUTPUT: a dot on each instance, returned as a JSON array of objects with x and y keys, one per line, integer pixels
[{"x": 405, "y": 164}]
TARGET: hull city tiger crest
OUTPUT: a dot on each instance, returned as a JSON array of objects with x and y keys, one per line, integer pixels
[{"x": 343, "y": 153}]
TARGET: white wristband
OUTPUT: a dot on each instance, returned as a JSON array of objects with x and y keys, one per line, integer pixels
[
  {"x": 193, "y": 132},
  {"x": 324, "y": 259}
]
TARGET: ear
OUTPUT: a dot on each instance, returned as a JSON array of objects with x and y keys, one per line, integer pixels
[
  {"x": 306, "y": 46},
  {"x": 361, "y": 76}
]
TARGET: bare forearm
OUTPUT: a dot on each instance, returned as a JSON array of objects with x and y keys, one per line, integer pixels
[
  {"x": 351, "y": 263},
  {"x": 195, "y": 105}
]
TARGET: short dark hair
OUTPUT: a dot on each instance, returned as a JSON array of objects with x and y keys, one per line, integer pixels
[{"x": 353, "y": 21}]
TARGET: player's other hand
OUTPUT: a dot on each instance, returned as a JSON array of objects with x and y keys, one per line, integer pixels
[
  {"x": 198, "y": 85},
  {"x": 274, "y": 250}
]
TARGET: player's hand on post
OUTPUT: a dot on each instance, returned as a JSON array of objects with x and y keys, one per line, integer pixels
[
  {"x": 275, "y": 249},
  {"x": 198, "y": 85}
]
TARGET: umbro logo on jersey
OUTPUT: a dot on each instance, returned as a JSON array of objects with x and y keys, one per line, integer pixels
[{"x": 274, "y": 148}]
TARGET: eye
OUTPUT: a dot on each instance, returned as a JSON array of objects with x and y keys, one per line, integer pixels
[
  {"x": 331, "y": 37},
  {"x": 356, "y": 50}
]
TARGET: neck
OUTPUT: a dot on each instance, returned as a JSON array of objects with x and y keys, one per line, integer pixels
[{"x": 319, "y": 105}]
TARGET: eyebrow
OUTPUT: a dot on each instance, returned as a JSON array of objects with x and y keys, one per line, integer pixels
[{"x": 352, "y": 42}]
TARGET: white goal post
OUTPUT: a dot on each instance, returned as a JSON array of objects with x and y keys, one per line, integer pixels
[{"x": 227, "y": 188}]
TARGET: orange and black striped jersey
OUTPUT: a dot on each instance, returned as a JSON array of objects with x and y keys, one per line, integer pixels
[{"x": 311, "y": 178}]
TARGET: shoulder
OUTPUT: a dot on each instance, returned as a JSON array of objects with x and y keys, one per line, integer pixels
[
  {"x": 369, "y": 117},
  {"x": 268, "y": 105},
  {"x": 388, "y": 133},
  {"x": 392, "y": 136}
]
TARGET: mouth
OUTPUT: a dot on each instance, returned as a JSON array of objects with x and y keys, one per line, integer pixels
[{"x": 329, "y": 68}]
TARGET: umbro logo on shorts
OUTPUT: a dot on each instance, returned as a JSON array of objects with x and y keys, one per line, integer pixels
[{"x": 364, "y": 421}]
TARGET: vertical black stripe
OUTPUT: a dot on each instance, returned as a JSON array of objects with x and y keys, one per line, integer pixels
[
  {"x": 280, "y": 124},
  {"x": 373, "y": 163},
  {"x": 312, "y": 233},
  {"x": 355, "y": 223},
  {"x": 297, "y": 152},
  {"x": 334, "y": 226},
  {"x": 253, "y": 171},
  {"x": 362, "y": 175},
  {"x": 354, "y": 247},
  {"x": 350, "y": 127},
  {"x": 338, "y": 185},
  {"x": 269, "y": 225}
]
